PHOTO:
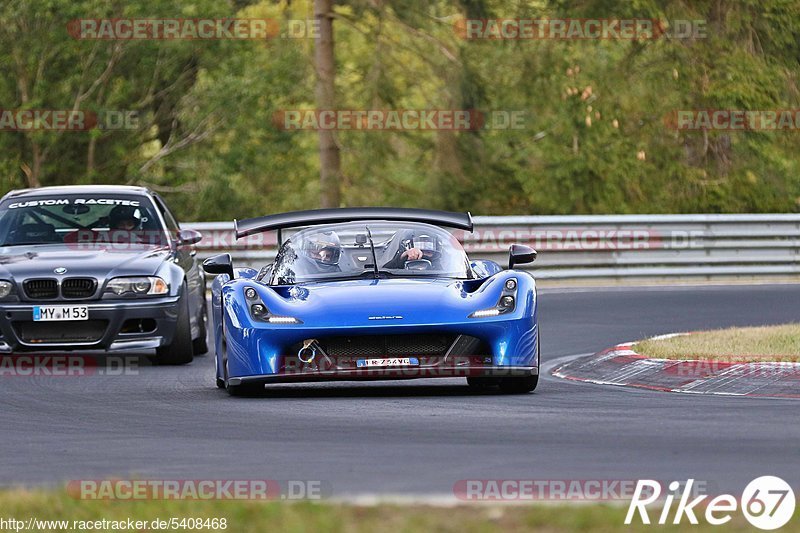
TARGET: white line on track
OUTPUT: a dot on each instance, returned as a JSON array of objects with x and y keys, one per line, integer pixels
[
  {"x": 544, "y": 289},
  {"x": 550, "y": 364}
]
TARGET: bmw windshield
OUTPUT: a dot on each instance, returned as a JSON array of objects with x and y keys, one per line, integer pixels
[
  {"x": 80, "y": 220},
  {"x": 370, "y": 249}
]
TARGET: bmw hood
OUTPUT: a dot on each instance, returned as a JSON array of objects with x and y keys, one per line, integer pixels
[{"x": 21, "y": 263}]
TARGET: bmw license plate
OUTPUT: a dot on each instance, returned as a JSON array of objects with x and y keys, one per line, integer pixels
[
  {"x": 389, "y": 362},
  {"x": 53, "y": 313}
]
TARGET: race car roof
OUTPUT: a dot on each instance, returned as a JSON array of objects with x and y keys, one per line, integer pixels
[{"x": 351, "y": 214}]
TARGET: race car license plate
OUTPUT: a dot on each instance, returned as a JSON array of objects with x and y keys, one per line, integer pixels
[
  {"x": 53, "y": 313},
  {"x": 390, "y": 362}
]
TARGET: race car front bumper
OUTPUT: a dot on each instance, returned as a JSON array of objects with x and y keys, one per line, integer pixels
[
  {"x": 379, "y": 374},
  {"x": 120, "y": 326}
]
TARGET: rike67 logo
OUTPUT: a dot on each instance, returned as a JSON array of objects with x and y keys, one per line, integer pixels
[{"x": 767, "y": 502}]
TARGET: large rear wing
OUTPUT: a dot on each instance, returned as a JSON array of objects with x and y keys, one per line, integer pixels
[{"x": 314, "y": 217}]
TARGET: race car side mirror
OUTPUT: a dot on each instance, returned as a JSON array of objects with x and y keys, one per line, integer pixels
[
  {"x": 219, "y": 264},
  {"x": 519, "y": 254}
]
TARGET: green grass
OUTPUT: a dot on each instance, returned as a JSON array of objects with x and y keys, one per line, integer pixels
[
  {"x": 310, "y": 517},
  {"x": 768, "y": 343}
]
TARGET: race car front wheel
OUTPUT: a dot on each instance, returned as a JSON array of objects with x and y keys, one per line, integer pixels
[
  {"x": 516, "y": 385},
  {"x": 243, "y": 389},
  {"x": 525, "y": 384},
  {"x": 519, "y": 385},
  {"x": 179, "y": 351},
  {"x": 480, "y": 383}
]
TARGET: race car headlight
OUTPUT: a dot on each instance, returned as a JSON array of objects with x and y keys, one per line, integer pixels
[
  {"x": 5, "y": 289},
  {"x": 273, "y": 319},
  {"x": 260, "y": 313},
  {"x": 140, "y": 286},
  {"x": 506, "y": 304}
]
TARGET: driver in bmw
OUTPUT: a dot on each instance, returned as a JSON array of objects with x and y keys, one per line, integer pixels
[
  {"x": 125, "y": 227},
  {"x": 124, "y": 223},
  {"x": 124, "y": 218}
]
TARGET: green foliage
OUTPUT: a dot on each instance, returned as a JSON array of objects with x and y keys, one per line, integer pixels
[{"x": 596, "y": 135}]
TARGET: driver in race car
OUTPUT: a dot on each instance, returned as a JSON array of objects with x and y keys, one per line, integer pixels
[
  {"x": 323, "y": 249},
  {"x": 414, "y": 248}
]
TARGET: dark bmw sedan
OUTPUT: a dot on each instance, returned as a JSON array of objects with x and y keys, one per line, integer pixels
[{"x": 98, "y": 268}]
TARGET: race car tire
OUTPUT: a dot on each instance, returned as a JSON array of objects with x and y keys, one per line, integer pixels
[
  {"x": 479, "y": 383},
  {"x": 244, "y": 389},
  {"x": 199, "y": 345},
  {"x": 519, "y": 385},
  {"x": 522, "y": 385},
  {"x": 179, "y": 351}
]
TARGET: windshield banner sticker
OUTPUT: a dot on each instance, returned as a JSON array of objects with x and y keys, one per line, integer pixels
[{"x": 74, "y": 201}]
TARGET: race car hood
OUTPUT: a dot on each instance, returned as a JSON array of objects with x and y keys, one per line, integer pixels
[
  {"x": 21, "y": 263},
  {"x": 384, "y": 302}
]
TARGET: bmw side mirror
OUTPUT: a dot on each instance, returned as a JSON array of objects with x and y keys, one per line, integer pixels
[
  {"x": 519, "y": 254},
  {"x": 189, "y": 236},
  {"x": 219, "y": 264}
]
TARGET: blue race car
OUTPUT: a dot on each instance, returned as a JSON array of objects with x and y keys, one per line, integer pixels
[{"x": 373, "y": 293}]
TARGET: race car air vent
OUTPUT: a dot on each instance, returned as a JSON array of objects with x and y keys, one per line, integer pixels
[
  {"x": 61, "y": 332},
  {"x": 387, "y": 345},
  {"x": 41, "y": 289},
  {"x": 78, "y": 287}
]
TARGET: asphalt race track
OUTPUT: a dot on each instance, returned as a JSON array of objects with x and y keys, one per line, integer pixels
[{"x": 420, "y": 437}]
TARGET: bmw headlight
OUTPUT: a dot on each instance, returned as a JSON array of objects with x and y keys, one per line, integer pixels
[
  {"x": 506, "y": 304},
  {"x": 138, "y": 286},
  {"x": 5, "y": 289}
]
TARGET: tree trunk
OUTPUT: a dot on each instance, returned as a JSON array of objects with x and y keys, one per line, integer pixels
[
  {"x": 32, "y": 173},
  {"x": 90, "y": 155},
  {"x": 329, "y": 159}
]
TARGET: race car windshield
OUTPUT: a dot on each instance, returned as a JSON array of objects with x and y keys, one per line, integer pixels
[
  {"x": 90, "y": 221},
  {"x": 345, "y": 251}
]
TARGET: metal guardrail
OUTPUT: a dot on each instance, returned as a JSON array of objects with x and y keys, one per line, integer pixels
[{"x": 600, "y": 246}]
